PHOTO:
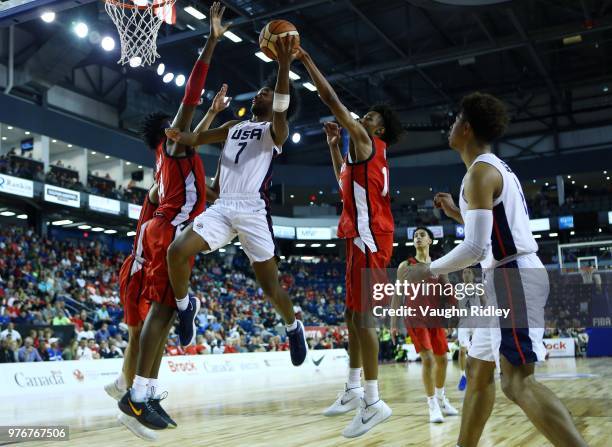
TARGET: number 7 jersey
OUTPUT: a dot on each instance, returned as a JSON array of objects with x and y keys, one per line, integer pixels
[
  {"x": 366, "y": 204},
  {"x": 246, "y": 160}
]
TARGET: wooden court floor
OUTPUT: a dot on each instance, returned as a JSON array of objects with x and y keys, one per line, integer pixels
[{"x": 285, "y": 411}]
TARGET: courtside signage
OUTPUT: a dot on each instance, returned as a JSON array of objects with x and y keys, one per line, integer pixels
[
  {"x": 134, "y": 211},
  {"x": 16, "y": 186},
  {"x": 62, "y": 196}
]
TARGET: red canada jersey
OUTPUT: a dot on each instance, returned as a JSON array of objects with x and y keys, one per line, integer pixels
[
  {"x": 181, "y": 185},
  {"x": 146, "y": 213},
  {"x": 364, "y": 189}
]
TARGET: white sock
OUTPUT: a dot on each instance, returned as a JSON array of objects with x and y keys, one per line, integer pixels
[
  {"x": 183, "y": 303},
  {"x": 354, "y": 378},
  {"x": 292, "y": 326},
  {"x": 120, "y": 382},
  {"x": 371, "y": 391},
  {"x": 151, "y": 388},
  {"x": 139, "y": 389},
  {"x": 440, "y": 393}
]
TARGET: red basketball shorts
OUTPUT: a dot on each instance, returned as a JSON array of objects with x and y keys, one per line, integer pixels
[
  {"x": 432, "y": 339},
  {"x": 360, "y": 256},
  {"x": 158, "y": 236},
  {"x": 131, "y": 292}
]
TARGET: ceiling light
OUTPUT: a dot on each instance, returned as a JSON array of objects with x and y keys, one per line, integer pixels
[
  {"x": 192, "y": 28},
  {"x": 233, "y": 37},
  {"x": 27, "y": 132},
  {"x": 11, "y": 128},
  {"x": 330, "y": 245},
  {"x": 131, "y": 233},
  {"x": 553, "y": 234},
  {"x": 195, "y": 13},
  {"x": 537, "y": 236},
  {"x": 139, "y": 166},
  {"x": 107, "y": 156},
  {"x": 180, "y": 80},
  {"x": 128, "y": 163},
  {"x": 409, "y": 244},
  {"x": 263, "y": 57},
  {"x": 160, "y": 69},
  {"x": 22, "y": 216},
  {"x": 84, "y": 227},
  {"x": 53, "y": 141},
  {"x": 4, "y": 138},
  {"x": 315, "y": 245},
  {"x": 300, "y": 245},
  {"x": 395, "y": 244},
  {"x": 222, "y": 250},
  {"x": 110, "y": 231},
  {"x": 572, "y": 233},
  {"x": 81, "y": 30},
  {"x": 168, "y": 77},
  {"x": 296, "y": 137},
  {"x": 57, "y": 223},
  {"x": 48, "y": 16},
  {"x": 69, "y": 145},
  {"x": 354, "y": 115},
  {"x": 108, "y": 43},
  {"x": 97, "y": 229},
  {"x": 309, "y": 86},
  {"x": 292, "y": 196},
  {"x": 93, "y": 152},
  {"x": 237, "y": 244},
  {"x": 293, "y": 76},
  {"x": 7, "y": 213}
]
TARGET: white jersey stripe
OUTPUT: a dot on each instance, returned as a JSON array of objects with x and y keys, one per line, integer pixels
[
  {"x": 191, "y": 197},
  {"x": 363, "y": 217}
]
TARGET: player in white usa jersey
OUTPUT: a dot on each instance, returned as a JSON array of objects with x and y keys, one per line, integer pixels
[
  {"x": 497, "y": 235},
  {"x": 242, "y": 210}
]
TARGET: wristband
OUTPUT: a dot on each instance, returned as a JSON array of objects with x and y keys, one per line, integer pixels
[{"x": 281, "y": 102}]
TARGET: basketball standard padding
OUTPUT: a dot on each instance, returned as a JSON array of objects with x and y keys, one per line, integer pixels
[{"x": 272, "y": 31}]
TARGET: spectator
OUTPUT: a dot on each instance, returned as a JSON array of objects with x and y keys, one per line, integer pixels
[
  {"x": 27, "y": 353},
  {"x": 102, "y": 314},
  {"x": 120, "y": 342},
  {"x": 10, "y": 331},
  {"x": 95, "y": 349},
  {"x": 54, "y": 352},
  {"x": 103, "y": 334},
  {"x": 86, "y": 333},
  {"x": 83, "y": 352},
  {"x": 43, "y": 350},
  {"x": 61, "y": 320},
  {"x": 7, "y": 350},
  {"x": 70, "y": 351}
]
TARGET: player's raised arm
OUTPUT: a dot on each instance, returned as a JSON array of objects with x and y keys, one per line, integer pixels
[
  {"x": 197, "y": 78},
  {"x": 285, "y": 55},
  {"x": 358, "y": 134},
  {"x": 332, "y": 131},
  {"x": 481, "y": 183},
  {"x": 219, "y": 103},
  {"x": 193, "y": 139}
]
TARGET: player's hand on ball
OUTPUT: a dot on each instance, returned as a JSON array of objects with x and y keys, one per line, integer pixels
[
  {"x": 285, "y": 51},
  {"x": 217, "y": 29},
  {"x": 332, "y": 131},
  {"x": 220, "y": 102},
  {"x": 174, "y": 133},
  {"x": 445, "y": 201}
]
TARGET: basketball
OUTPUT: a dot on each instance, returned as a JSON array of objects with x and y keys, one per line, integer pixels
[{"x": 272, "y": 31}]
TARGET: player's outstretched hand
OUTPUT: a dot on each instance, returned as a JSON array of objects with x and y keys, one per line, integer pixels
[
  {"x": 332, "y": 131},
  {"x": 217, "y": 29},
  {"x": 220, "y": 102},
  {"x": 445, "y": 201},
  {"x": 285, "y": 53},
  {"x": 174, "y": 133}
]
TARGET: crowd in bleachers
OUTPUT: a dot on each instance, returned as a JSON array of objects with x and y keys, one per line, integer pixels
[{"x": 48, "y": 284}]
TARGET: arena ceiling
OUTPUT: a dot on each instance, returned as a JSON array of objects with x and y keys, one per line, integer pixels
[{"x": 549, "y": 59}]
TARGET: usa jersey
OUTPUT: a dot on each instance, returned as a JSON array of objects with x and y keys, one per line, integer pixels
[
  {"x": 246, "y": 160},
  {"x": 366, "y": 205},
  {"x": 146, "y": 214},
  {"x": 511, "y": 236},
  {"x": 181, "y": 185}
]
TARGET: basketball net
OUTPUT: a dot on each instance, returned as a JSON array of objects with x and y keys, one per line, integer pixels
[{"x": 138, "y": 22}]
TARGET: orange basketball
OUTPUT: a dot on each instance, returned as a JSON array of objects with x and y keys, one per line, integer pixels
[{"x": 272, "y": 31}]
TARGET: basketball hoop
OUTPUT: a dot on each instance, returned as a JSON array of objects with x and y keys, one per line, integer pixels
[{"x": 138, "y": 22}]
